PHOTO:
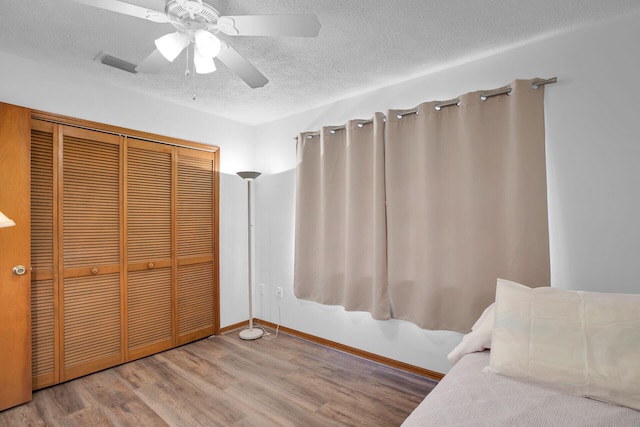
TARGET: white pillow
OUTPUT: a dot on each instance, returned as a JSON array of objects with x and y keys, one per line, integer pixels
[
  {"x": 478, "y": 339},
  {"x": 584, "y": 343}
]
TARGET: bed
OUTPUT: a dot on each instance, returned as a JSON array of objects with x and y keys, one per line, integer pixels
[
  {"x": 466, "y": 396},
  {"x": 543, "y": 357}
]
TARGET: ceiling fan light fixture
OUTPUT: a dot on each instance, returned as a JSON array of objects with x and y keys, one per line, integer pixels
[
  {"x": 170, "y": 45},
  {"x": 203, "y": 64},
  {"x": 208, "y": 44}
]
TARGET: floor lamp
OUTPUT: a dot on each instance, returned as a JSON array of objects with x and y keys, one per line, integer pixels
[{"x": 251, "y": 333}]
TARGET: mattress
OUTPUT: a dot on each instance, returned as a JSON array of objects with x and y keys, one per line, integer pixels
[{"x": 468, "y": 397}]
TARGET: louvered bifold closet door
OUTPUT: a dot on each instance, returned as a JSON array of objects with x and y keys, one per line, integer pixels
[
  {"x": 91, "y": 251},
  {"x": 43, "y": 279},
  {"x": 149, "y": 248},
  {"x": 196, "y": 275}
]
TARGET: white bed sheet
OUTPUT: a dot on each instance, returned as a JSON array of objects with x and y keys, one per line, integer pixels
[{"x": 468, "y": 397}]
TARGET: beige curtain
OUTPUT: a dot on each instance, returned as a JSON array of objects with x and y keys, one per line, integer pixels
[
  {"x": 340, "y": 240},
  {"x": 415, "y": 219},
  {"x": 466, "y": 204}
]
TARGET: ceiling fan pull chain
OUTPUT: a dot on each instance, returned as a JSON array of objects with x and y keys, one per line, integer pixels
[
  {"x": 186, "y": 70},
  {"x": 193, "y": 86},
  {"x": 193, "y": 76}
]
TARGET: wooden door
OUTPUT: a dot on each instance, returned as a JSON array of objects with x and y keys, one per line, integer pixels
[
  {"x": 150, "y": 270},
  {"x": 44, "y": 261},
  {"x": 90, "y": 220},
  {"x": 197, "y": 277},
  {"x": 15, "y": 304}
]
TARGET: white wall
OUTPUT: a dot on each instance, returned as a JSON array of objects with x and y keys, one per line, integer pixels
[
  {"x": 41, "y": 87},
  {"x": 593, "y": 151}
]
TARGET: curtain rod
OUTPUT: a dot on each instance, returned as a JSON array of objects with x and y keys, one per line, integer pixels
[
  {"x": 334, "y": 129},
  {"x": 539, "y": 83},
  {"x": 360, "y": 125},
  {"x": 484, "y": 96},
  {"x": 492, "y": 93}
]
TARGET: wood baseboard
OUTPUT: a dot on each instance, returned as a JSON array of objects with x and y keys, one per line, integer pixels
[
  {"x": 233, "y": 327},
  {"x": 436, "y": 376}
]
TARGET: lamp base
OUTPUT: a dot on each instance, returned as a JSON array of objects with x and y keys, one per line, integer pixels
[{"x": 251, "y": 334}]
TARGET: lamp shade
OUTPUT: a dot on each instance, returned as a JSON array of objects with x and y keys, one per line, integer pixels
[
  {"x": 5, "y": 222},
  {"x": 171, "y": 45},
  {"x": 248, "y": 174},
  {"x": 202, "y": 63},
  {"x": 208, "y": 44}
]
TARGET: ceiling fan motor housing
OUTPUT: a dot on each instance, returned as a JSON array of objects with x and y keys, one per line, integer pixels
[
  {"x": 183, "y": 15},
  {"x": 191, "y": 6}
]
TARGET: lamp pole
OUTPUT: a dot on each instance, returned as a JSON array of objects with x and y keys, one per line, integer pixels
[{"x": 251, "y": 333}]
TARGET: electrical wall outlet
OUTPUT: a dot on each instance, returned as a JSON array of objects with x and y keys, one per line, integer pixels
[{"x": 279, "y": 292}]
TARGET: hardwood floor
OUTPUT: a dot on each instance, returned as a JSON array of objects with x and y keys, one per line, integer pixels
[{"x": 224, "y": 381}]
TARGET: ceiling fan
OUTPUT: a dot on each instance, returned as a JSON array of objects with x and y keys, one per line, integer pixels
[{"x": 198, "y": 23}]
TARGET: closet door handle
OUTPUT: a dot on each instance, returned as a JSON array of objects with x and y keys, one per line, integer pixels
[
  {"x": 150, "y": 266},
  {"x": 94, "y": 270}
]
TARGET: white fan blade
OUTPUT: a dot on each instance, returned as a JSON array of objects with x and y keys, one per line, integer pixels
[
  {"x": 152, "y": 63},
  {"x": 127, "y": 9},
  {"x": 243, "y": 68},
  {"x": 270, "y": 25}
]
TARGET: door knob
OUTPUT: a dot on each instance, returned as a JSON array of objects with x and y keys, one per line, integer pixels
[{"x": 19, "y": 270}]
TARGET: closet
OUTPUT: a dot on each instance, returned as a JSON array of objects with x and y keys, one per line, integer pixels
[{"x": 124, "y": 246}]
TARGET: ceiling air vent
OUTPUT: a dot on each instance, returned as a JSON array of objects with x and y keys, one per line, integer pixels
[{"x": 118, "y": 63}]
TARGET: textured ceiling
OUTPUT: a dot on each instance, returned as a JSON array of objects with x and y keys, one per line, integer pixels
[{"x": 362, "y": 45}]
